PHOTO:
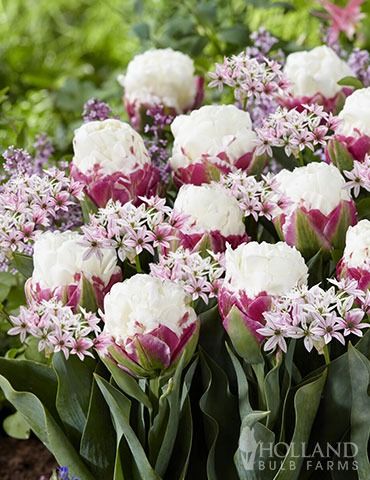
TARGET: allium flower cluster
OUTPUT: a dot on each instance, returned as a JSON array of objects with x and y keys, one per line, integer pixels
[
  {"x": 17, "y": 162},
  {"x": 200, "y": 276},
  {"x": 315, "y": 315},
  {"x": 359, "y": 176},
  {"x": 359, "y": 63},
  {"x": 294, "y": 131},
  {"x": 250, "y": 78},
  {"x": 158, "y": 122},
  {"x": 43, "y": 151},
  {"x": 30, "y": 203},
  {"x": 95, "y": 109},
  {"x": 257, "y": 198},
  {"x": 131, "y": 230},
  {"x": 58, "y": 329}
]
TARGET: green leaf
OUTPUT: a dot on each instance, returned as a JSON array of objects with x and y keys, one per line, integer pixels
[
  {"x": 142, "y": 30},
  {"x": 306, "y": 404},
  {"x": 351, "y": 82},
  {"x": 272, "y": 392},
  {"x": 23, "y": 263},
  {"x": 38, "y": 417},
  {"x": 75, "y": 378},
  {"x": 128, "y": 384},
  {"x": 359, "y": 369},
  {"x": 88, "y": 208},
  {"x": 16, "y": 426},
  {"x": 243, "y": 388},
  {"x": 243, "y": 340},
  {"x": 220, "y": 414},
  {"x": 119, "y": 406},
  {"x": 98, "y": 442},
  {"x": 173, "y": 399},
  {"x": 253, "y": 436},
  {"x": 88, "y": 298},
  {"x": 363, "y": 208},
  {"x": 340, "y": 155}
]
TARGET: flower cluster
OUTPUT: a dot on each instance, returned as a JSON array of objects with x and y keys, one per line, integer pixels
[
  {"x": 359, "y": 176},
  {"x": 263, "y": 42},
  {"x": 58, "y": 329},
  {"x": 95, "y": 109},
  {"x": 359, "y": 63},
  {"x": 257, "y": 198},
  {"x": 294, "y": 131},
  {"x": 17, "y": 162},
  {"x": 131, "y": 230},
  {"x": 316, "y": 315},
  {"x": 200, "y": 276},
  {"x": 30, "y": 203},
  {"x": 250, "y": 78},
  {"x": 158, "y": 122},
  {"x": 43, "y": 150}
]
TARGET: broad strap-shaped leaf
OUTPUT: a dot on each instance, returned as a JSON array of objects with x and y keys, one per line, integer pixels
[
  {"x": 98, "y": 443},
  {"x": 75, "y": 379},
  {"x": 243, "y": 387},
  {"x": 359, "y": 369},
  {"x": 220, "y": 411},
  {"x": 254, "y": 445},
  {"x": 119, "y": 406},
  {"x": 306, "y": 404},
  {"x": 46, "y": 428},
  {"x": 128, "y": 384},
  {"x": 23, "y": 263},
  {"x": 272, "y": 392}
]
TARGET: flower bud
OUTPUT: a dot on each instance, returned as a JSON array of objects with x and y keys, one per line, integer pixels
[
  {"x": 111, "y": 160},
  {"x": 151, "y": 324}
]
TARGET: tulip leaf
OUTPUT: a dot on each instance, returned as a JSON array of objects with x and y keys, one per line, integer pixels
[
  {"x": 88, "y": 298},
  {"x": 128, "y": 384},
  {"x": 98, "y": 442},
  {"x": 350, "y": 81},
  {"x": 359, "y": 369},
  {"x": 254, "y": 444},
  {"x": 44, "y": 425},
  {"x": 243, "y": 340},
  {"x": 220, "y": 409},
  {"x": 306, "y": 404},
  {"x": 119, "y": 406},
  {"x": 340, "y": 155},
  {"x": 88, "y": 208},
  {"x": 272, "y": 393},
  {"x": 23, "y": 263},
  {"x": 75, "y": 379},
  {"x": 16, "y": 426},
  {"x": 363, "y": 208},
  {"x": 243, "y": 386}
]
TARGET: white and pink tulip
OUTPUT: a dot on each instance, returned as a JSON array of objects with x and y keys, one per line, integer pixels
[
  {"x": 151, "y": 324},
  {"x": 215, "y": 217},
  {"x": 318, "y": 208},
  {"x": 63, "y": 269},
  {"x": 111, "y": 160},
  {"x": 255, "y": 274},
  {"x": 210, "y": 141},
  {"x": 355, "y": 263},
  {"x": 162, "y": 77},
  {"x": 314, "y": 77}
]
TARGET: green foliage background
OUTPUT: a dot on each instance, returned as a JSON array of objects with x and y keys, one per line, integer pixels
[{"x": 55, "y": 54}]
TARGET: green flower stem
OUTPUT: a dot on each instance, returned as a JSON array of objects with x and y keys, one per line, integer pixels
[
  {"x": 259, "y": 371},
  {"x": 326, "y": 355},
  {"x": 138, "y": 264}
]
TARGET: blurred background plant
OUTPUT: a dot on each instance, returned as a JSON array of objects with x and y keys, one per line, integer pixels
[{"x": 55, "y": 55}]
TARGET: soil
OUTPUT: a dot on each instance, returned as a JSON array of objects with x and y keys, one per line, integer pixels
[{"x": 24, "y": 459}]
